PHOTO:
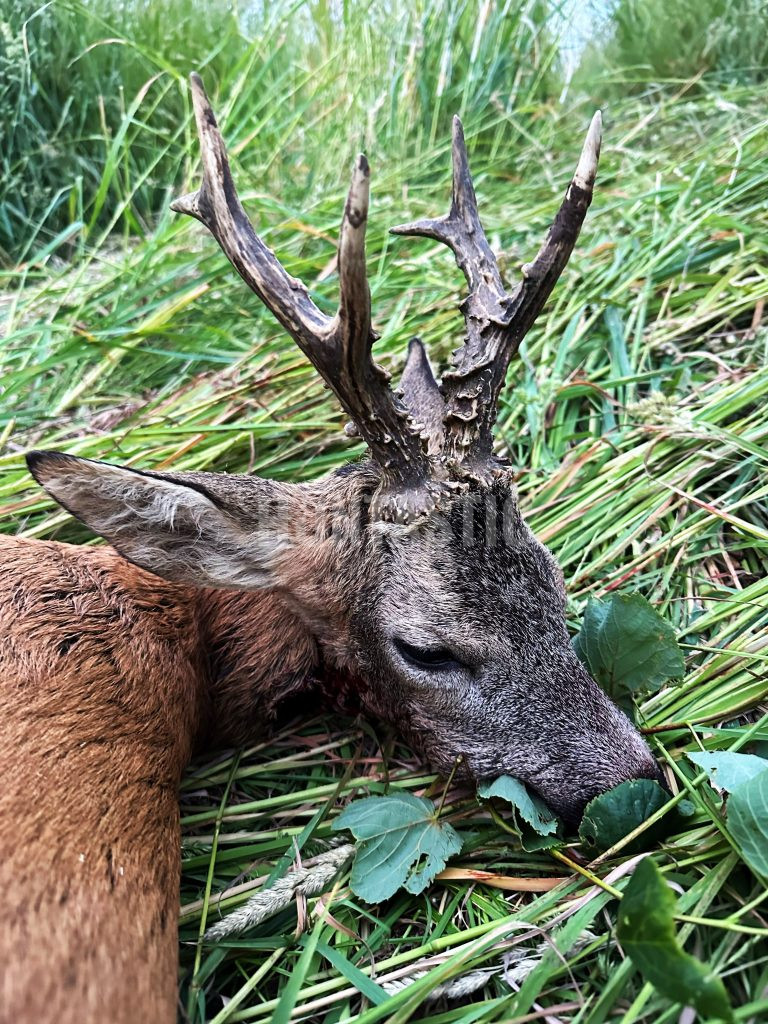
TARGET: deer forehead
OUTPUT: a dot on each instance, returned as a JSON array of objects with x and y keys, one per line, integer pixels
[{"x": 482, "y": 580}]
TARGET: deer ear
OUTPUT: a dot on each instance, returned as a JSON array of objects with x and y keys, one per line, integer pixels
[{"x": 204, "y": 529}]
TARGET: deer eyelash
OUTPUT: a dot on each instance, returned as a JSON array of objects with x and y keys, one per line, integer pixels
[{"x": 427, "y": 659}]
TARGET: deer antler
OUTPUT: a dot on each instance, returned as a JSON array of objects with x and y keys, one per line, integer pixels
[
  {"x": 417, "y": 471},
  {"x": 496, "y": 320},
  {"x": 339, "y": 347}
]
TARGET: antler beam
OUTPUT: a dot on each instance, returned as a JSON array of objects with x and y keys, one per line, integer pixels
[
  {"x": 416, "y": 471},
  {"x": 339, "y": 347},
  {"x": 496, "y": 320}
]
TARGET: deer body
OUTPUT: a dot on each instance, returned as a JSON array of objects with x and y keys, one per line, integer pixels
[
  {"x": 413, "y": 575},
  {"x": 91, "y": 759},
  {"x": 109, "y": 679}
]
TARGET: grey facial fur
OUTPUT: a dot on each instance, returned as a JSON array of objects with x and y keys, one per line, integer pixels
[
  {"x": 514, "y": 699},
  {"x": 470, "y": 589}
]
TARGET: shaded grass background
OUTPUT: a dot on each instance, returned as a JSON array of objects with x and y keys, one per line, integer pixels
[{"x": 635, "y": 414}]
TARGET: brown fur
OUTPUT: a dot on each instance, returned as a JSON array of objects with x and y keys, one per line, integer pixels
[
  {"x": 111, "y": 676},
  {"x": 106, "y": 690}
]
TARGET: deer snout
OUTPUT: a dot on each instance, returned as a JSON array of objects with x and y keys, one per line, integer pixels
[
  {"x": 599, "y": 767},
  {"x": 603, "y": 751},
  {"x": 583, "y": 748},
  {"x": 570, "y": 807}
]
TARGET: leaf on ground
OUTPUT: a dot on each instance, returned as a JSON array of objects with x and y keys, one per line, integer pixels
[
  {"x": 531, "y": 808},
  {"x": 533, "y": 842},
  {"x": 400, "y": 843},
  {"x": 627, "y": 646},
  {"x": 614, "y": 814},
  {"x": 728, "y": 769},
  {"x": 646, "y": 931},
  {"x": 748, "y": 821}
]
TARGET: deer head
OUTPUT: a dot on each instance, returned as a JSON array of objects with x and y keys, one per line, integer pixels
[{"x": 414, "y": 571}]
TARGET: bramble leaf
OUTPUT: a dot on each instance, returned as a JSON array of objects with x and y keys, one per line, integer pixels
[
  {"x": 646, "y": 931},
  {"x": 748, "y": 821},
  {"x": 627, "y": 646},
  {"x": 400, "y": 843},
  {"x": 530, "y": 808},
  {"x": 614, "y": 814},
  {"x": 728, "y": 769}
]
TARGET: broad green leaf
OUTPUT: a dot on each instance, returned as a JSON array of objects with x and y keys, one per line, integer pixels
[
  {"x": 400, "y": 843},
  {"x": 614, "y": 814},
  {"x": 533, "y": 842},
  {"x": 748, "y": 821},
  {"x": 646, "y": 931},
  {"x": 627, "y": 646},
  {"x": 530, "y": 808},
  {"x": 728, "y": 769}
]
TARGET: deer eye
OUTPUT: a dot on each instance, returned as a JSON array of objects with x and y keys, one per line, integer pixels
[{"x": 428, "y": 659}]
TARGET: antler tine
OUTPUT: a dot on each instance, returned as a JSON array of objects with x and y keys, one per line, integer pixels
[
  {"x": 461, "y": 229},
  {"x": 542, "y": 274},
  {"x": 217, "y": 206},
  {"x": 339, "y": 347},
  {"x": 361, "y": 384},
  {"x": 496, "y": 320},
  {"x": 354, "y": 315}
]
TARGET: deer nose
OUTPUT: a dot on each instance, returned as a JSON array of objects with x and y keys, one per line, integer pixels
[
  {"x": 650, "y": 769},
  {"x": 571, "y": 806},
  {"x": 646, "y": 767}
]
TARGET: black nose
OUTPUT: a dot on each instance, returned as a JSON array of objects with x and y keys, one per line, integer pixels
[
  {"x": 649, "y": 768},
  {"x": 572, "y": 810},
  {"x": 573, "y": 815}
]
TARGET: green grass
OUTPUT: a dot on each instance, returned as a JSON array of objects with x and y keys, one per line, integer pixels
[
  {"x": 636, "y": 416},
  {"x": 660, "y": 40},
  {"x": 96, "y": 127}
]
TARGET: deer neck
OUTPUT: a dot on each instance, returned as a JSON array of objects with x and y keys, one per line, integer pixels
[
  {"x": 258, "y": 654},
  {"x": 100, "y": 671},
  {"x": 265, "y": 647}
]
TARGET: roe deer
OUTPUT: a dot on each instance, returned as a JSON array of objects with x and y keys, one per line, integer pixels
[{"x": 410, "y": 577}]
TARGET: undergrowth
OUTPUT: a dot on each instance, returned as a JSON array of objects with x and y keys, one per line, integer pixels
[{"x": 635, "y": 416}]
